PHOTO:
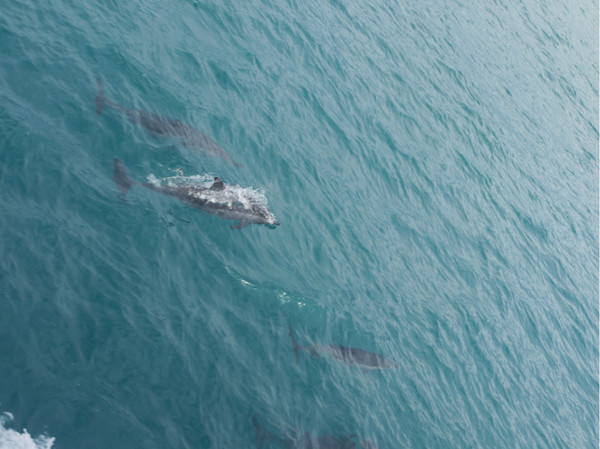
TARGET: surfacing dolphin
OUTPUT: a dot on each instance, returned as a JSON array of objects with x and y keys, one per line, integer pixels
[
  {"x": 225, "y": 201},
  {"x": 158, "y": 125},
  {"x": 351, "y": 356},
  {"x": 308, "y": 441}
]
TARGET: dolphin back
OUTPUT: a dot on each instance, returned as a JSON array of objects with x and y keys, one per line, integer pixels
[
  {"x": 357, "y": 356},
  {"x": 157, "y": 125}
]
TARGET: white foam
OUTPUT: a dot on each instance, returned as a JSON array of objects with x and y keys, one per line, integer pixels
[
  {"x": 174, "y": 181},
  {"x": 230, "y": 194},
  {"x": 11, "y": 439}
]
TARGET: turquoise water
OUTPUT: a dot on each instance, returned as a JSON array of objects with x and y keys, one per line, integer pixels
[{"x": 434, "y": 168}]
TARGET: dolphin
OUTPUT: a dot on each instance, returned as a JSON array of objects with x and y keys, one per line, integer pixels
[
  {"x": 351, "y": 356},
  {"x": 308, "y": 441},
  {"x": 158, "y": 125},
  {"x": 225, "y": 201},
  {"x": 326, "y": 441}
]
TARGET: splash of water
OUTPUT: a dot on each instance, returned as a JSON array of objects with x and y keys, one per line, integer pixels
[{"x": 11, "y": 439}]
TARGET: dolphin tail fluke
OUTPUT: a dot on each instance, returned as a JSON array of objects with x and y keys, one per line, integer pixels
[
  {"x": 122, "y": 178},
  {"x": 260, "y": 430},
  {"x": 294, "y": 345},
  {"x": 262, "y": 435},
  {"x": 100, "y": 98}
]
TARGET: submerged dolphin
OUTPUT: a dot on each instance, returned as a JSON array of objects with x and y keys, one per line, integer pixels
[
  {"x": 227, "y": 202},
  {"x": 308, "y": 441},
  {"x": 158, "y": 125},
  {"x": 351, "y": 356}
]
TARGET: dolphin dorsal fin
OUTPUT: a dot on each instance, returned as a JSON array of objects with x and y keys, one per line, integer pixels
[{"x": 218, "y": 184}]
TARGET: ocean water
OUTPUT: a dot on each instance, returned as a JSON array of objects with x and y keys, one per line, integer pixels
[{"x": 434, "y": 168}]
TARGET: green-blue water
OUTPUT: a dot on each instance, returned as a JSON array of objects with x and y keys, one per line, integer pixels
[{"x": 434, "y": 168}]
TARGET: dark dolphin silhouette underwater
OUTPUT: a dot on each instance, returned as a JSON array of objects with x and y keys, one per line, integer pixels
[
  {"x": 351, "y": 356},
  {"x": 224, "y": 201},
  {"x": 307, "y": 441},
  {"x": 160, "y": 126}
]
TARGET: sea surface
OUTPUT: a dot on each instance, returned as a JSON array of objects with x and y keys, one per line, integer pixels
[{"x": 433, "y": 166}]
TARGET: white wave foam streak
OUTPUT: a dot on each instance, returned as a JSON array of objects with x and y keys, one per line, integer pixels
[
  {"x": 11, "y": 439},
  {"x": 230, "y": 194}
]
